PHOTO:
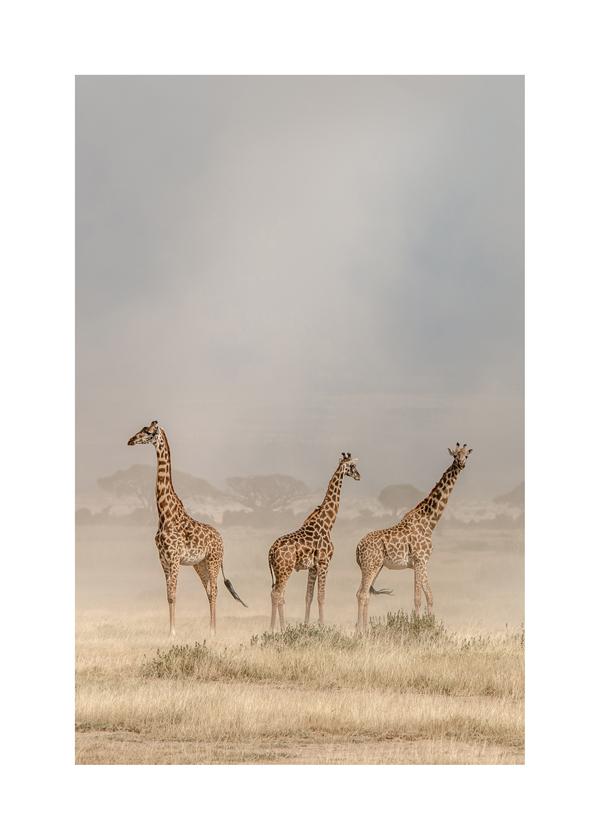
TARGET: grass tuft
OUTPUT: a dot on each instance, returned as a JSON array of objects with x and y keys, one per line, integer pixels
[
  {"x": 404, "y": 627},
  {"x": 180, "y": 661},
  {"x": 304, "y": 636}
]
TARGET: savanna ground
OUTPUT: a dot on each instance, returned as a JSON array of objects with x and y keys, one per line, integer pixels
[{"x": 414, "y": 691}]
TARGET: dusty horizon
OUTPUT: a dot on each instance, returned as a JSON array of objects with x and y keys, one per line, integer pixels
[{"x": 465, "y": 492}]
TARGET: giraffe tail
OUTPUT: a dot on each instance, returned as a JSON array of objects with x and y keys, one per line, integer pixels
[
  {"x": 271, "y": 570},
  {"x": 230, "y": 587},
  {"x": 374, "y": 591}
]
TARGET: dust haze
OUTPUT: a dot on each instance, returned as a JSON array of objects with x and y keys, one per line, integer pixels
[
  {"x": 279, "y": 269},
  {"x": 282, "y": 268}
]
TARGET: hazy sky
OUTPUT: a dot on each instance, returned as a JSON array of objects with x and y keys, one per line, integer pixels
[{"x": 281, "y": 268}]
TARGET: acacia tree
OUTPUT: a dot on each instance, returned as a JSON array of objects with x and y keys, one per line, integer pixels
[
  {"x": 187, "y": 485},
  {"x": 136, "y": 481},
  {"x": 266, "y": 491},
  {"x": 516, "y": 497},
  {"x": 139, "y": 481},
  {"x": 397, "y": 497}
]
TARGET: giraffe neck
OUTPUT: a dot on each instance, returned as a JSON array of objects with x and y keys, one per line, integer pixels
[
  {"x": 326, "y": 513},
  {"x": 167, "y": 500},
  {"x": 433, "y": 505}
]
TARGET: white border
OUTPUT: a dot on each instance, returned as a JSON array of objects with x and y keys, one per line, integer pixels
[{"x": 44, "y": 46}]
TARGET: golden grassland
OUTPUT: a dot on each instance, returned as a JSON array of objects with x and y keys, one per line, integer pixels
[{"x": 411, "y": 692}]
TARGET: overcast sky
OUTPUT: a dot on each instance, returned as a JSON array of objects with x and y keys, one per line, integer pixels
[{"x": 281, "y": 268}]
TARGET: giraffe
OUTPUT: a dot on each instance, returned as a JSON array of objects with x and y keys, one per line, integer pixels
[
  {"x": 309, "y": 547},
  {"x": 181, "y": 541},
  {"x": 407, "y": 545}
]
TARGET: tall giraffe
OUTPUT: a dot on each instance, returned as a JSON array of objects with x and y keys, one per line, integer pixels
[
  {"x": 408, "y": 544},
  {"x": 309, "y": 547},
  {"x": 181, "y": 541}
]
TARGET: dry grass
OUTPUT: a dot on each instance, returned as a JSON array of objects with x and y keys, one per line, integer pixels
[{"x": 410, "y": 693}]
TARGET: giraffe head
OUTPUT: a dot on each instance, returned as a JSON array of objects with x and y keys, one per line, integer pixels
[
  {"x": 147, "y": 434},
  {"x": 460, "y": 455},
  {"x": 348, "y": 464}
]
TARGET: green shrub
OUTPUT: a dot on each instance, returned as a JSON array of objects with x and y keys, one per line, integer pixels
[
  {"x": 408, "y": 627},
  {"x": 303, "y": 636},
  {"x": 184, "y": 661}
]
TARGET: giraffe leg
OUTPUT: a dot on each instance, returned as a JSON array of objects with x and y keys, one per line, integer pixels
[
  {"x": 362, "y": 596},
  {"x": 205, "y": 576},
  {"x": 321, "y": 578},
  {"x": 212, "y": 597},
  {"x": 171, "y": 572},
  {"x": 427, "y": 590},
  {"x": 422, "y": 581},
  {"x": 277, "y": 596},
  {"x": 310, "y": 589},
  {"x": 418, "y": 586},
  {"x": 273, "y": 611},
  {"x": 323, "y": 562}
]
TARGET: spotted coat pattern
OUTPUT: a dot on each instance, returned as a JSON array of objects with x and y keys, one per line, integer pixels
[
  {"x": 180, "y": 540},
  {"x": 408, "y": 544},
  {"x": 309, "y": 547}
]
